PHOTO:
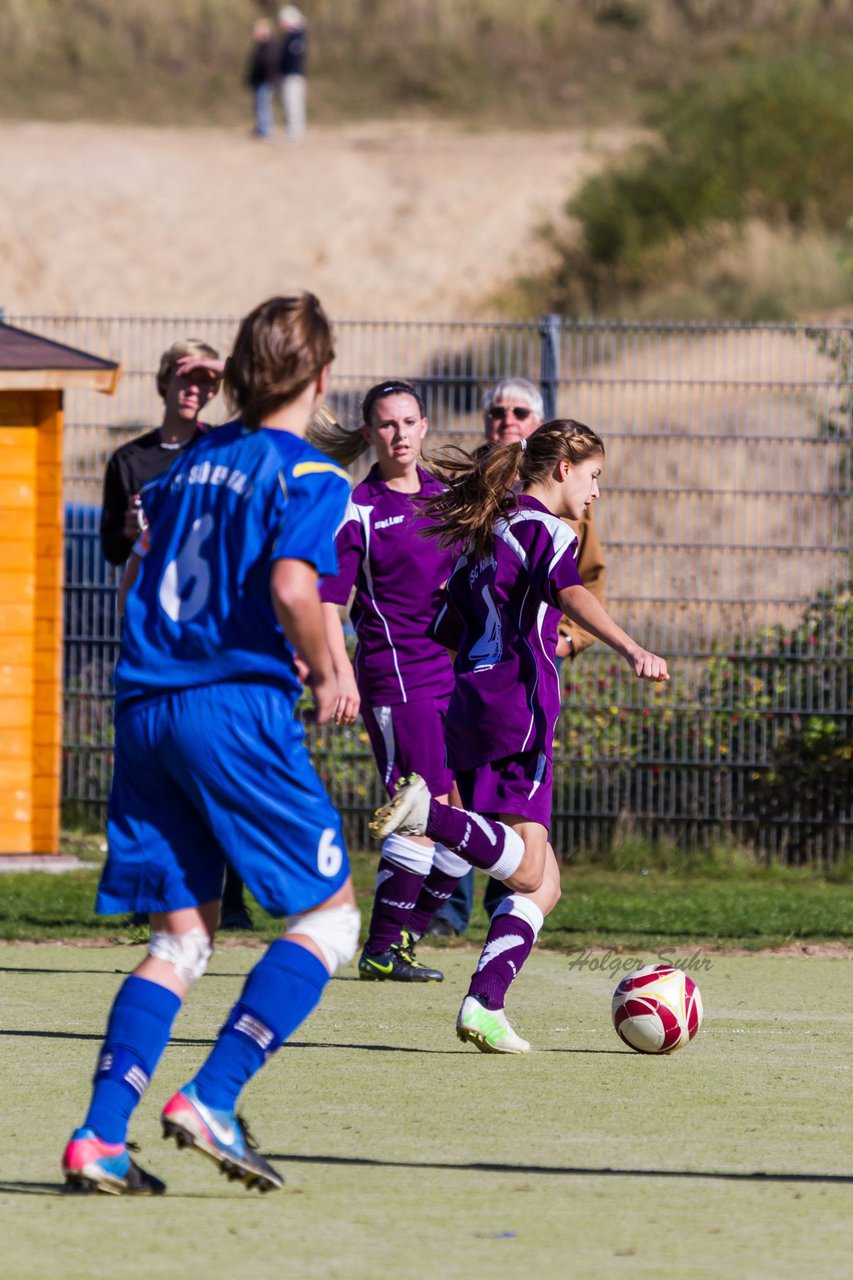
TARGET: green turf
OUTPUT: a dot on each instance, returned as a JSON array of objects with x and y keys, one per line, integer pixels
[
  {"x": 752, "y": 908},
  {"x": 406, "y": 1153}
]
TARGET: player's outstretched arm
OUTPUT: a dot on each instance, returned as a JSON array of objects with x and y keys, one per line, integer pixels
[
  {"x": 581, "y": 606},
  {"x": 349, "y": 698},
  {"x": 293, "y": 588}
]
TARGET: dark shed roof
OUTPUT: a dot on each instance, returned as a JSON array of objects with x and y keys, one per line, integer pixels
[{"x": 31, "y": 362}]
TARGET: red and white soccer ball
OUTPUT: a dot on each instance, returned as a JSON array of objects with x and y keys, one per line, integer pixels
[{"x": 657, "y": 1009}]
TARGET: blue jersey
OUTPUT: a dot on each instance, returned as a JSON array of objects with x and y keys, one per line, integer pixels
[{"x": 200, "y": 610}]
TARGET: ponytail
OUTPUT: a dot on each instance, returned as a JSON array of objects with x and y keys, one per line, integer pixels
[
  {"x": 479, "y": 490},
  {"x": 344, "y": 444},
  {"x": 480, "y": 486}
]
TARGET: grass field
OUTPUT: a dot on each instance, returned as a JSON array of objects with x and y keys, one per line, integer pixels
[
  {"x": 690, "y": 904},
  {"x": 405, "y": 1152}
]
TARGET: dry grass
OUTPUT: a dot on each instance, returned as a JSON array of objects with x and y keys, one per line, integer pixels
[{"x": 492, "y": 61}]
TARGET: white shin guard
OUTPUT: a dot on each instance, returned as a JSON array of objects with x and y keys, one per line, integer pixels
[
  {"x": 407, "y": 853},
  {"x": 450, "y": 863},
  {"x": 333, "y": 930},
  {"x": 524, "y": 908}
]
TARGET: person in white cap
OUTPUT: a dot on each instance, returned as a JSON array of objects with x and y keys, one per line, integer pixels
[{"x": 294, "y": 47}]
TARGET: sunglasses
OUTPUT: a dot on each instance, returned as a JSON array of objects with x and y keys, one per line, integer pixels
[{"x": 500, "y": 412}]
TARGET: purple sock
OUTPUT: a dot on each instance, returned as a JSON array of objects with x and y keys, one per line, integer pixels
[
  {"x": 486, "y": 844},
  {"x": 437, "y": 889},
  {"x": 397, "y": 891},
  {"x": 508, "y": 944}
]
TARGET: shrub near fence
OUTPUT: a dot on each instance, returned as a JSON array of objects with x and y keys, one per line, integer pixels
[{"x": 726, "y": 519}]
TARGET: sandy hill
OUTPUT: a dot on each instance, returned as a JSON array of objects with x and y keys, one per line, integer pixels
[{"x": 413, "y": 221}]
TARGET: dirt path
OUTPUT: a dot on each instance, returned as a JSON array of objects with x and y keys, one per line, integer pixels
[{"x": 382, "y": 220}]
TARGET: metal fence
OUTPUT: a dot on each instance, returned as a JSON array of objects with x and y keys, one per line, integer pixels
[{"x": 726, "y": 522}]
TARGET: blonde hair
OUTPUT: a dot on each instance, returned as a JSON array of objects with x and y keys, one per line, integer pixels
[
  {"x": 480, "y": 486},
  {"x": 178, "y": 350},
  {"x": 344, "y": 444},
  {"x": 281, "y": 347}
]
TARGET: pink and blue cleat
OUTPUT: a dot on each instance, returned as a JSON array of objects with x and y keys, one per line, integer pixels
[
  {"x": 90, "y": 1164},
  {"x": 222, "y": 1136}
]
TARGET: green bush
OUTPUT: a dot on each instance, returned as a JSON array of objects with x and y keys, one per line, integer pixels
[
  {"x": 756, "y": 742},
  {"x": 771, "y": 141}
]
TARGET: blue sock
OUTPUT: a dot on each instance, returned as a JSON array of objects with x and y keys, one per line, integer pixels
[
  {"x": 280, "y": 992},
  {"x": 138, "y": 1031}
]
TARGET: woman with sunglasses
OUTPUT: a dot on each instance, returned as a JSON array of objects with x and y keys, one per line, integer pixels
[{"x": 402, "y": 679}]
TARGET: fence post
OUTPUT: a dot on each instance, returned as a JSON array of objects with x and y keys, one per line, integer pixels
[{"x": 549, "y": 362}]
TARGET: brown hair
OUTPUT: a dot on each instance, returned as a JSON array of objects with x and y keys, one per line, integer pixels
[
  {"x": 480, "y": 485},
  {"x": 281, "y": 347},
  {"x": 177, "y": 351}
]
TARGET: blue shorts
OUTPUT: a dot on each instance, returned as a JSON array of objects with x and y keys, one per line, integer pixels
[
  {"x": 211, "y": 774},
  {"x": 408, "y": 737}
]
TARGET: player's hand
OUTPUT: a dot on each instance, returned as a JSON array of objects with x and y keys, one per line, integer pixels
[
  {"x": 302, "y": 669},
  {"x": 564, "y": 646},
  {"x": 189, "y": 364},
  {"x": 134, "y": 519},
  {"x": 349, "y": 700},
  {"x": 325, "y": 693},
  {"x": 647, "y": 665}
]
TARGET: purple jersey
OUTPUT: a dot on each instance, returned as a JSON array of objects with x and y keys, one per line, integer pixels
[
  {"x": 398, "y": 576},
  {"x": 501, "y": 617}
]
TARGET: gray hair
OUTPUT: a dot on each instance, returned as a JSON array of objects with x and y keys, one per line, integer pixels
[
  {"x": 290, "y": 16},
  {"x": 516, "y": 389}
]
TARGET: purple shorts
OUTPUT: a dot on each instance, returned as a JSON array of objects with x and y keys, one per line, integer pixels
[
  {"x": 521, "y": 785},
  {"x": 409, "y": 738}
]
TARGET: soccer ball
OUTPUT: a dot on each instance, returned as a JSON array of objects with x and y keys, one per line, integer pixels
[{"x": 657, "y": 1009}]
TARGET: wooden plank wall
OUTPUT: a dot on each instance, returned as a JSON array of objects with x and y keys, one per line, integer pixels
[{"x": 30, "y": 620}]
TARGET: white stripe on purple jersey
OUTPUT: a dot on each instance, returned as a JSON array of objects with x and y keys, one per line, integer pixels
[
  {"x": 397, "y": 576},
  {"x": 501, "y": 618}
]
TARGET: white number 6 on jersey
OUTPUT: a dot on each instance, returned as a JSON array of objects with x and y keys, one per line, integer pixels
[
  {"x": 329, "y": 855},
  {"x": 188, "y": 570}
]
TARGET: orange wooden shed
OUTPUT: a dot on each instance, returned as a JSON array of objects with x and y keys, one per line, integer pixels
[{"x": 34, "y": 374}]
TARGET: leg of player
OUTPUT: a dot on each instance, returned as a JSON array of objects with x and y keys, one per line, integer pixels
[
  {"x": 482, "y": 842},
  {"x": 438, "y": 888},
  {"x": 235, "y": 913},
  {"x": 404, "y": 866},
  {"x": 441, "y": 883},
  {"x": 284, "y": 987},
  {"x": 512, "y": 934},
  {"x": 138, "y": 1030}
]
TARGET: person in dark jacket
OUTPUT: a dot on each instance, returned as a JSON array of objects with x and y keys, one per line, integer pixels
[
  {"x": 185, "y": 389},
  {"x": 261, "y": 75}
]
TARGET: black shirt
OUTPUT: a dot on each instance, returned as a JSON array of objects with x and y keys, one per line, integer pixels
[
  {"x": 129, "y": 468},
  {"x": 294, "y": 47}
]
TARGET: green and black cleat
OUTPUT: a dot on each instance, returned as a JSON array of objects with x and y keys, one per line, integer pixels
[{"x": 396, "y": 965}]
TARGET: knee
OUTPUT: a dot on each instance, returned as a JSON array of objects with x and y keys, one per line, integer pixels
[
  {"x": 187, "y": 953},
  {"x": 333, "y": 930},
  {"x": 555, "y": 892},
  {"x": 527, "y": 879}
]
